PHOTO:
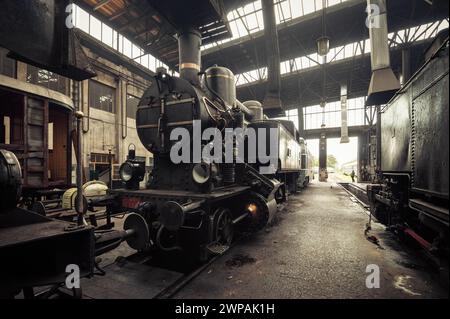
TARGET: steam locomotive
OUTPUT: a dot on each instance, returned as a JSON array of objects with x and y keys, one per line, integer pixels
[
  {"x": 413, "y": 193},
  {"x": 196, "y": 206}
]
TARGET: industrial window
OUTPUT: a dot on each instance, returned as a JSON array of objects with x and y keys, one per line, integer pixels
[
  {"x": 102, "y": 97},
  {"x": 292, "y": 116},
  {"x": 7, "y": 65},
  {"x": 100, "y": 167},
  {"x": 132, "y": 104},
  {"x": 47, "y": 79},
  {"x": 304, "y": 161},
  {"x": 103, "y": 159},
  {"x": 315, "y": 117}
]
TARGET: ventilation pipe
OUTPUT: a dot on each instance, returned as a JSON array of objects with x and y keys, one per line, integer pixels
[
  {"x": 384, "y": 84},
  {"x": 344, "y": 115},
  {"x": 272, "y": 101}
]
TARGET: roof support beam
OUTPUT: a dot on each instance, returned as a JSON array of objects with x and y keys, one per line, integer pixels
[{"x": 101, "y": 4}]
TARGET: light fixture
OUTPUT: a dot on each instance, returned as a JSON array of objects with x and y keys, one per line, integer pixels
[
  {"x": 323, "y": 45},
  {"x": 132, "y": 172},
  {"x": 201, "y": 173}
]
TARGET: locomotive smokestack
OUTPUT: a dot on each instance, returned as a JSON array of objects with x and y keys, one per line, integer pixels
[{"x": 189, "y": 43}]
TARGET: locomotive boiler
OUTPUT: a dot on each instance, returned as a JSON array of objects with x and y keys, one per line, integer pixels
[{"x": 196, "y": 205}]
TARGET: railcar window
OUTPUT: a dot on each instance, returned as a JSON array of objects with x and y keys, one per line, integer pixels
[
  {"x": 50, "y": 136},
  {"x": 102, "y": 97},
  {"x": 7, "y": 65},
  {"x": 11, "y": 126},
  {"x": 304, "y": 161}
]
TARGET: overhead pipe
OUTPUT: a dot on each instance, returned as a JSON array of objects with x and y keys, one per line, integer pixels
[
  {"x": 384, "y": 84},
  {"x": 344, "y": 115}
]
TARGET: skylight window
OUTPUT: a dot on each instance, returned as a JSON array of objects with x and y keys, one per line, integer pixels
[
  {"x": 351, "y": 50},
  {"x": 245, "y": 21},
  {"x": 97, "y": 29}
]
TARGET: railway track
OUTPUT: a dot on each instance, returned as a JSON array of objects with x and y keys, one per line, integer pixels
[
  {"x": 141, "y": 277},
  {"x": 357, "y": 192}
]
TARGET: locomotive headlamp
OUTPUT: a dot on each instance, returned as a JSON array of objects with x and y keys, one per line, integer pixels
[
  {"x": 10, "y": 180},
  {"x": 132, "y": 172},
  {"x": 128, "y": 171},
  {"x": 201, "y": 173}
]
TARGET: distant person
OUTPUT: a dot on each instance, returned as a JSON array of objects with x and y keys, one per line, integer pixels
[{"x": 352, "y": 175}]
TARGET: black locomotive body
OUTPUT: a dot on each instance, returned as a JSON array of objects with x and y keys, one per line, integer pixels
[
  {"x": 414, "y": 172},
  {"x": 192, "y": 204}
]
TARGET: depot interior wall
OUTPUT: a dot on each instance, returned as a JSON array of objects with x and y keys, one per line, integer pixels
[
  {"x": 102, "y": 130},
  {"x": 105, "y": 131}
]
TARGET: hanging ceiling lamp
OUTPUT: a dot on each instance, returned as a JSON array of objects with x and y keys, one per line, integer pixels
[
  {"x": 323, "y": 48},
  {"x": 323, "y": 43}
]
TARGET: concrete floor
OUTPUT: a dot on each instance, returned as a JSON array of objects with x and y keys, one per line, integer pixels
[{"x": 317, "y": 249}]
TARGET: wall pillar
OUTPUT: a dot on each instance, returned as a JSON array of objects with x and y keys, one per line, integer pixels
[{"x": 21, "y": 71}]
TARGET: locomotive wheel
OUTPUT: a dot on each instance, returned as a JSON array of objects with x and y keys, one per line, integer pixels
[{"x": 224, "y": 231}]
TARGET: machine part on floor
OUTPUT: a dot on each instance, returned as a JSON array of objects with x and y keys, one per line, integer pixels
[{"x": 92, "y": 190}]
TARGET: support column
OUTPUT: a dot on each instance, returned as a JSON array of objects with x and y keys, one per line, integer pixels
[
  {"x": 363, "y": 168},
  {"x": 272, "y": 100},
  {"x": 301, "y": 122},
  {"x": 323, "y": 171},
  {"x": 21, "y": 71}
]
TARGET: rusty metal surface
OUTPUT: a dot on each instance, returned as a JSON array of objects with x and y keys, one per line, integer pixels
[
  {"x": 217, "y": 194},
  {"x": 36, "y": 250},
  {"x": 415, "y": 129},
  {"x": 396, "y": 135},
  {"x": 431, "y": 127},
  {"x": 37, "y": 34}
]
